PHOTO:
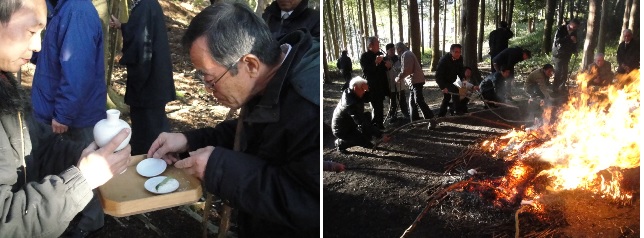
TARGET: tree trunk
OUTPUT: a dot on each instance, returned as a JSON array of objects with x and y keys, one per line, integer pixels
[
  {"x": 436, "y": 53},
  {"x": 373, "y": 18},
  {"x": 112, "y": 43},
  {"x": 634, "y": 21},
  {"x": 470, "y": 11},
  {"x": 332, "y": 37},
  {"x": 497, "y": 15},
  {"x": 601, "y": 41},
  {"x": 343, "y": 29},
  {"x": 363, "y": 33},
  {"x": 578, "y": 5},
  {"x": 325, "y": 68},
  {"x": 510, "y": 13},
  {"x": 627, "y": 15},
  {"x": 456, "y": 23},
  {"x": 560, "y": 13},
  {"x": 414, "y": 27},
  {"x": 400, "y": 22},
  {"x": 367, "y": 33},
  {"x": 591, "y": 33},
  {"x": 261, "y": 6},
  {"x": 391, "y": 23},
  {"x": 422, "y": 31},
  {"x": 481, "y": 31},
  {"x": 444, "y": 24},
  {"x": 571, "y": 9},
  {"x": 547, "y": 30}
]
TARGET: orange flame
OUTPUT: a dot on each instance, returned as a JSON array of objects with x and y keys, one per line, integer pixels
[{"x": 595, "y": 131}]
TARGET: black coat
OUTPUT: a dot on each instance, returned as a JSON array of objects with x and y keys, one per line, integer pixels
[
  {"x": 563, "y": 47},
  {"x": 274, "y": 181},
  {"x": 146, "y": 53},
  {"x": 509, "y": 57},
  {"x": 349, "y": 115},
  {"x": 629, "y": 55},
  {"x": 447, "y": 70},
  {"x": 345, "y": 65},
  {"x": 499, "y": 39},
  {"x": 301, "y": 17},
  {"x": 376, "y": 75}
]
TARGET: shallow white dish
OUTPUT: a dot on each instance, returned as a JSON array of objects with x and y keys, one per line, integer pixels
[
  {"x": 151, "y": 167},
  {"x": 168, "y": 187}
]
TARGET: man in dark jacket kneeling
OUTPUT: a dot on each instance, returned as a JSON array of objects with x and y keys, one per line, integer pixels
[
  {"x": 350, "y": 124},
  {"x": 266, "y": 163}
]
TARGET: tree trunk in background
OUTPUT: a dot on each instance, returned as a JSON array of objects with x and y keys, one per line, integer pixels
[
  {"x": 373, "y": 18},
  {"x": 591, "y": 33},
  {"x": 414, "y": 27},
  {"x": 457, "y": 23},
  {"x": 331, "y": 23},
  {"x": 444, "y": 24},
  {"x": 560, "y": 13},
  {"x": 422, "y": 31},
  {"x": 436, "y": 53},
  {"x": 367, "y": 33},
  {"x": 546, "y": 47},
  {"x": 497, "y": 15},
  {"x": 343, "y": 27},
  {"x": 603, "y": 24},
  {"x": 461, "y": 21},
  {"x": 510, "y": 13},
  {"x": 627, "y": 15},
  {"x": 325, "y": 68},
  {"x": 571, "y": 9},
  {"x": 471, "y": 12},
  {"x": 391, "y": 23},
  {"x": 634, "y": 21},
  {"x": 261, "y": 6},
  {"x": 400, "y": 22},
  {"x": 363, "y": 33},
  {"x": 481, "y": 31},
  {"x": 112, "y": 44},
  {"x": 578, "y": 5}
]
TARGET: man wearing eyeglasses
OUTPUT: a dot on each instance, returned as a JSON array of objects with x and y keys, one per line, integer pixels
[
  {"x": 350, "y": 124},
  {"x": 272, "y": 176}
]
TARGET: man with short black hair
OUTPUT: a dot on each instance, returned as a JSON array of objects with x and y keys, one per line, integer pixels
[
  {"x": 374, "y": 69},
  {"x": 449, "y": 67},
  {"x": 42, "y": 194},
  {"x": 494, "y": 87},
  {"x": 564, "y": 45},
  {"x": 345, "y": 66},
  {"x": 499, "y": 39},
  {"x": 537, "y": 85},
  {"x": 272, "y": 176}
]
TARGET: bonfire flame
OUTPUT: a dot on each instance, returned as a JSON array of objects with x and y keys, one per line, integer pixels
[{"x": 597, "y": 130}]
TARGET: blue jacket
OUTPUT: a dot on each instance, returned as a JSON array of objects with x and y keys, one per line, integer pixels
[{"x": 69, "y": 83}]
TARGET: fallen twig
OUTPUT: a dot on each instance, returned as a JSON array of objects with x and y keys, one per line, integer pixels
[{"x": 433, "y": 200}]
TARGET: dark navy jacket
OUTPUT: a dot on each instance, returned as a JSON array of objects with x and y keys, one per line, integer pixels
[{"x": 69, "y": 83}]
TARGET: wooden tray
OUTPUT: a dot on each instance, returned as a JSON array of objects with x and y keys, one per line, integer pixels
[{"x": 124, "y": 194}]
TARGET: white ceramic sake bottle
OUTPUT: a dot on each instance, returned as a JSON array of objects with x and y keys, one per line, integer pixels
[{"x": 106, "y": 129}]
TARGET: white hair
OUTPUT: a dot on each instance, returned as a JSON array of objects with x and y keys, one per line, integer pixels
[{"x": 356, "y": 81}]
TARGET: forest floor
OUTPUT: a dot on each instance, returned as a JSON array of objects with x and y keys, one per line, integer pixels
[
  {"x": 383, "y": 190},
  {"x": 195, "y": 108}
]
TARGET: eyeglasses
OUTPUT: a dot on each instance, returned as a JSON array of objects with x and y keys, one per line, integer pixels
[{"x": 212, "y": 85}]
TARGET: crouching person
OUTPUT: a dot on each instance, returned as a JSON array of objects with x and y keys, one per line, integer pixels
[
  {"x": 350, "y": 124},
  {"x": 494, "y": 88}
]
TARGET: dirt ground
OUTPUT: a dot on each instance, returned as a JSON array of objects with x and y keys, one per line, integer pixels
[{"x": 383, "y": 190}]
